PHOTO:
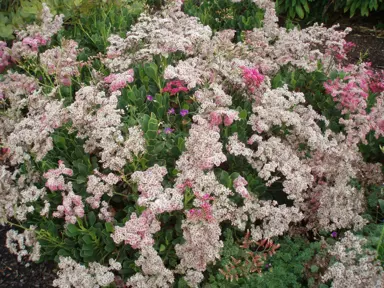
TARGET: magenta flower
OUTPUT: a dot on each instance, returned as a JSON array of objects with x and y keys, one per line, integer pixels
[
  {"x": 334, "y": 234},
  {"x": 175, "y": 87},
  {"x": 149, "y": 98},
  {"x": 252, "y": 78},
  {"x": 171, "y": 111},
  {"x": 168, "y": 130},
  {"x": 183, "y": 112}
]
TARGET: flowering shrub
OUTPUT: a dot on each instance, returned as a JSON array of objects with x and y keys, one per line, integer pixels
[{"x": 128, "y": 166}]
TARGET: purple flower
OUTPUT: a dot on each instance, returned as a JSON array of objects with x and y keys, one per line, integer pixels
[
  {"x": 149, "y": 98},
  {"x": 334, "y": 234},
  {"x": 171, "y": 111},
  {"x": 183, "y": 112},
  {"x": 168, "y": 130}
]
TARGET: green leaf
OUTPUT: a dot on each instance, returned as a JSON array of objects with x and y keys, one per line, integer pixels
[
  {"x": 243, "y": 114},
  {"x": 159, "y": 148},
  {"x": 151, "y": 71},
  {"x": 162, "y": 247},
  {"x": 144, "y": 123},
  {"x": 110, "y": 246},
  {"x": 314, "y": 268},
  {"x": 305, "y": 5},
  {"x": 81, "y": 179},
  {"x": 64, "y": 253},
  {"x": 77, "y": 2},
  {"x": 82, "y": 168},
  {"x": 299, "y": 11},
  {"x": 72, "y": 230},
  {"x": 225, "y": 179},
  {"x": 91, "y": 218},
  {"x": 109, "y": 227},
  {"x": 381, "y": 204},
  {"x": 59, "y": 141},
  {"x": 277, "y": 81},
  {"x": 87, "y": 239},
  {"x": 180, "y": 144}
]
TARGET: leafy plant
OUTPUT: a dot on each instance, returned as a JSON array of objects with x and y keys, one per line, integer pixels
[{"x": 224, "y": 14}]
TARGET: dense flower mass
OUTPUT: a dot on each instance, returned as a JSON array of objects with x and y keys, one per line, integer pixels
[{"x": 150, "y": 163}]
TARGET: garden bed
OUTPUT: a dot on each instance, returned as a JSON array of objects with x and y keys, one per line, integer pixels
[{"x": 143, "y": 147}]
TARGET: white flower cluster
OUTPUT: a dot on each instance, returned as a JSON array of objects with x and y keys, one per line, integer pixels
[
  {"x": 61, "y": 62},
  {"x": 20, "y": 243},
  {"x": 155, "y": 273},
  {"x": 36, "y": 35},
  {"x": 165, "y": 32},
  {"x": 73, "y": 274},
  {"x": 101, "y": 127},
  {"x": 355, "y": 266},
  {"x": 32, "y": 133},
  {"x": 98, "y": 185},
  {"x": 152, "y": 192},
  {"x": 202, "y": 245},
  {"x": 138, "y": 231},
  {"x": 17, "y": 196}
]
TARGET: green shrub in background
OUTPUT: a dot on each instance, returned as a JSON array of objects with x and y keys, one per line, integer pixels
[
  {"x": 224, "y": 14},
  {"x": 89, "y": 22},
  {"x": 322, "y": 10}
]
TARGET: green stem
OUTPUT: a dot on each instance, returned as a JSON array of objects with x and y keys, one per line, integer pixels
[{"x": 380, "y": 242}]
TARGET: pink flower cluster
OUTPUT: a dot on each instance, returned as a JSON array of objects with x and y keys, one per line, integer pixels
[
  {"x": 34, "y": 42},
  {"x": 342, "y": 54},
  {"x": 252, "y": 78},
  {"x": 97, "y": 188},
  {"x": 175, "y": 86},
  {"x": 72, "y": 207},
  {"x": 203, "y": 214},
  {"x": 351, "y": 91},
  {"x": 55, "y": 180},
  {"x": 119, "y": 80},
  {"x": 138, "y": 231},
  {"x": 4, "y": 56},
  {"x": 61, "y": 61},
  {"x": 216, "y": 117},
  {"x": 377, "y": 82},
  {"x": 239, "y": 184}
]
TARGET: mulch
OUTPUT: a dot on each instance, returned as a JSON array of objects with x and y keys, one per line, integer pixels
[{"x": 16, "y": 275}]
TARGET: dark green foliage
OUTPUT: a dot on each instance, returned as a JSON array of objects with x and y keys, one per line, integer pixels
[
  {"x": 224, "y": 14},
  {"x": 285, "y": 269}
]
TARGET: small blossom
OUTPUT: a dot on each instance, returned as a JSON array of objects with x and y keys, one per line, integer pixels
[
  {"x": 171, "y": 111},
  {"x": 334, "y": 234},
  {"x": 175, "y": 87},
  {"x": 168, "y": 130},
  {"x": 183, "y": 112},
  {"x": 149, "y": 98}
]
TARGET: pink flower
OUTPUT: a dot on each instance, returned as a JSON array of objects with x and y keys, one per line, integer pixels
[
  {"x": 230, "y": 116},
  {"x": 138, "y": 231},
  {"x": 215, "y": 118},
  {"x": 239, "y": 184},
  {"x": 252, "y": 78},
  {"x": 120, "y": 80},
  {"x": 5, "y": 58},
  {"x": 55, "y": 180},
  {"x": 175, "y": 87},
  {"x": 71, "y": 208}
]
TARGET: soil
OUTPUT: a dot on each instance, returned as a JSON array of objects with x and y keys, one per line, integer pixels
[
  {"x": 368, "y": 35},
  {"x": 16, "y": 275},
  {"x": 368, "y": 46}
]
